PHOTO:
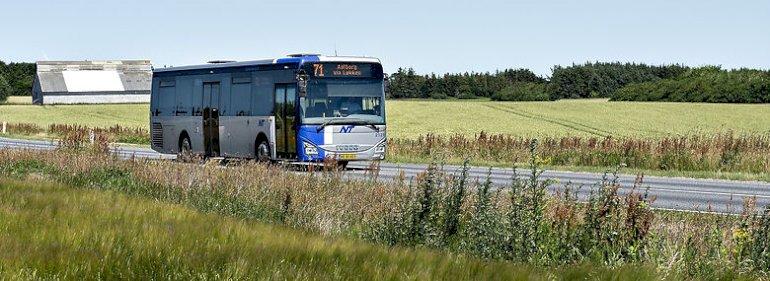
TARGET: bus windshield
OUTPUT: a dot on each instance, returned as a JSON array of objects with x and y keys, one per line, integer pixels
[{"x": 342, "y": 100}]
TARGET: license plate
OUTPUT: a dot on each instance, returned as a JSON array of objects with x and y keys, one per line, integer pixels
[{"x": 348, "y": 156}]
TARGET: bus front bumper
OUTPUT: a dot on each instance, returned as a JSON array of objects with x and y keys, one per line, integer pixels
[{"x": 312, "y": 153}]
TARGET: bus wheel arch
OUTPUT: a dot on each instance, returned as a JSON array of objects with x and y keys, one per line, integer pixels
[{"x": 262, "y": 148}]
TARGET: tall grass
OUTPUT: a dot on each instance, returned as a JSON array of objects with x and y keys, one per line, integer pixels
[
  {"x": 53, "y": 232},
  {"x": 520, "y": 222},
  {"x": 115, "y": 133},
  {"x": 724, "y": 152},
  {"x": 720, "y": 152}
]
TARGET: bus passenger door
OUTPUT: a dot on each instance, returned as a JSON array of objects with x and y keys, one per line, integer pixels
[
  {"x": 284, "y": 111},
  {"x": 211, "y": 96}
]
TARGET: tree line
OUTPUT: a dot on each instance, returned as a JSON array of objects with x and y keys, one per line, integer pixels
[
  {"x": 405, "y": 83},
  {"x": 16, "y": 79},
  {"x": 614, "y": 80}
]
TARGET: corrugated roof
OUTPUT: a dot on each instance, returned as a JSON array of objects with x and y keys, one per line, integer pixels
[{"x": 116, "y": 76}]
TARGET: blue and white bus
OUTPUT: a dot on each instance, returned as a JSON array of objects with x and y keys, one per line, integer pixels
[{"x": 301, "y": 108}]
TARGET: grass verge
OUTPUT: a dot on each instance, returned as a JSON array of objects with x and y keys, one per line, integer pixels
[
  {"x": 521, "y": 223},
  {"x": 52, "y": 231}
]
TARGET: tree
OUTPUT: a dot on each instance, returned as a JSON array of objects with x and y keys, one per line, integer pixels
[
  {"x": 5, "y": 88},
  {"x": 19, "y": 76},
  {"x": 405, "y": 84}
]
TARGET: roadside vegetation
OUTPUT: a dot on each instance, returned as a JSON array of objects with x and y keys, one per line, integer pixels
[
  {"x": 66, "y": 132},
  {"x": 721, "y": 153},
  {"x": 519, "y": 224},
  {"x": 53, "y": 231}
]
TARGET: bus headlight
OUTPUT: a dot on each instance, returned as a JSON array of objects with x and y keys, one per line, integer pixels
[
  {"x": 380, "y": 148},
  {"x": 310, "y": 149}
]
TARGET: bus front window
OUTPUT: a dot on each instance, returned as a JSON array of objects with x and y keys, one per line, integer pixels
[{"x": 341, "y": 99}]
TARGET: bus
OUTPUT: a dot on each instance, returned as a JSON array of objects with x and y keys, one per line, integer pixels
[{"x": 299, "y": 108}]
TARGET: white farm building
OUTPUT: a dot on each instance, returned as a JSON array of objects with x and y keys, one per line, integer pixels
[{"x": 76, "y": 82}]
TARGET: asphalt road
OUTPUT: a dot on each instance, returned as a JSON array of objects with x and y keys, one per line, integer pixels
[{"x": 685, "y": 194}]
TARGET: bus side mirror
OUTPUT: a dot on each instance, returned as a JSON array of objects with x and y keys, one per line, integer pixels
[{"x": 302, "y": 83}]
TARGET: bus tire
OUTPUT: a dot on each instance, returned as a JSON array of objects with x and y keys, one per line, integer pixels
[
  {"x": 185, "y": 149},
  {"x": 262, "y": 150}
]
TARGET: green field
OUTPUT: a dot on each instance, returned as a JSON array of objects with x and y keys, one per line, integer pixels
[
  {"x": 52, "y": 231},
  {"x": 102, "y": 115},
  {"x": 573, "y": 118},
  {"x": 410, "y": 118}
]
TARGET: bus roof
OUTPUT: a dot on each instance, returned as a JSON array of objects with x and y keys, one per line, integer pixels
[{"x": 299, "y": 59}]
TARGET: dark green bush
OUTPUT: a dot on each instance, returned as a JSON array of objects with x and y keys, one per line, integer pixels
[
  {"x": 706, "y": 84},
  {"x": 522, "y": 92},
  {"x": 438, "y": 95},
  {"x": 602, "y": 79}
]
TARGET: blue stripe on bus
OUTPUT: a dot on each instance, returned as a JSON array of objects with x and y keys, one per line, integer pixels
[
  {"x": 298, "y": 59},
  {"x": 308, "y": 133}
]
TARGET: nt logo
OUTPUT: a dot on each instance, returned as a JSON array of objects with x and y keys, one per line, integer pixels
[{"x": 346, "y": 129}]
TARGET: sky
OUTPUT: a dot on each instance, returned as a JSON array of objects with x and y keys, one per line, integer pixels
[{"x": 429, "y": 36}]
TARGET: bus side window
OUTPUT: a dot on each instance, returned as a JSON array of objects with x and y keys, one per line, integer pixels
[
  {"x": 166, "y": 97},
  {"x": 184, "y": 97},
  {"x": 240, "y": 98}
]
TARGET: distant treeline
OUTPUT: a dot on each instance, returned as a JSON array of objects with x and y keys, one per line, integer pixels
[
  {"x": 617, "y": 81},
  {"x": 16, "y": 79}
]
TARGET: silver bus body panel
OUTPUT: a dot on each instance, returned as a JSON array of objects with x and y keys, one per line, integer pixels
[{"x": 237, "y": 134}]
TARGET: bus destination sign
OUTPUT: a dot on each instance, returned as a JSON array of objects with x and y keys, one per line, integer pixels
[{"x": 338, "y": 70}]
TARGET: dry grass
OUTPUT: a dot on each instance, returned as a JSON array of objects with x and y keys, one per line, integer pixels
[
  {"x": 19, "y": 100},
  {"x": 723, "y": 152}
]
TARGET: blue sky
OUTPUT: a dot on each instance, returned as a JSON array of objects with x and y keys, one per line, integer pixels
[{"x": 431, "y": 36}]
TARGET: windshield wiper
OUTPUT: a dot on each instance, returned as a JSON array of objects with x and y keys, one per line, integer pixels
[
  {"x": 374, "y": 127},
  {"x": 324, "y": 124}
]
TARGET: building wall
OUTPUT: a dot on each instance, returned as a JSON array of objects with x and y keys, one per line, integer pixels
[{"x": 95, "y": 98}]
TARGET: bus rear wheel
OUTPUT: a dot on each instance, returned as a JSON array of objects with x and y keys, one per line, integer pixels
[
  {"x": 185, "y": 150},
  {"x": 262, "y": 153}
]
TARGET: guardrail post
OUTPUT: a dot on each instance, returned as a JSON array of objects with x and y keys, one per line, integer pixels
[
  {"x": 4, "y": 125},
  {"x": 91, "y": 136}
]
